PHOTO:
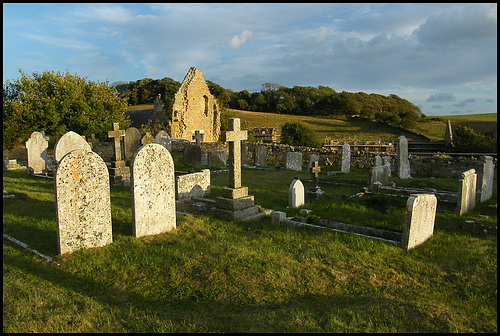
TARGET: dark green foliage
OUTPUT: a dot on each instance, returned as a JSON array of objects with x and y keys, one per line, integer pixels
[
  {"x": 57, "y": 103},
  {"x": 296, "y": 134},
  {"x": 465, "y": 140}
]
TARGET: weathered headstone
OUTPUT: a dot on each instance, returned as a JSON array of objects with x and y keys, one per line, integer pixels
[
  {"x": 36, "y": 147},
  {"x": 147, "y": 139},
  {"x": 192, "y": 154},
  {"x": 378, "y": 174},
  {"x": 244, "y": 153},
  {"x": 386, "y": 162},
  {"x": 277, "y": 217},
  {"x": 419, "y": 220},
  {"x": 153, "y": 191},
  {"x": 294, "y": 161},
  {"x": 163, "y": 139},
  {"x": 378, "y": 161},
  {"x": 488, "y": 168},
  {"x": 193, "y": 185},
  {"x": 235, "y": 203},
  {"x": 197, "y": 137},
  {"x": 467, "y": 192},
  {"x": 260, "y": 156},
  {"x": 312, "y": 158},
  {"x": 296, "y": 196},
  {"x": 217, "y": 158},
  {"x": 346, "y": 158},
  {"x": 131, "y": 142},
  {"x": 70, "y": 141},
  {"x": 402, "y": 158},
  {"x": 82, "y": 201}
]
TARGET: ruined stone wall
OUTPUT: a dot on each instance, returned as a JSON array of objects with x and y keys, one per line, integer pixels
[{"x": 194, "y": 109}]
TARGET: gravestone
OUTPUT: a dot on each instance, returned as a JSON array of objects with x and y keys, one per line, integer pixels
[
  {"x": 70, "y": 141},
  {"x": 244, "y": 153},
  {"x": 153, "y": 191},
  {"x": 378, "y": 174},
  {"x": 131, "y": 143},
  {"x": 402, "y": 158},
  {"x": 346, "y": 158},
  {"x": 82, "y": 201},
  {"x": 217, "y": 158},
  {"x": 315, "y": 191},
  {"x": 293, "y": 161},
  {"x": 386, "y": 162},
  {"x": 193, "y": 185},
  {"x": 36, "y": 148},
  {"x": 419, "y": 220},
  {"x": 488, "y": 168},
  {"x": 163, "y": 139},
  {"x": 147, "y": 139},
  {"x": 192, "y": 154},
  {"x": 118, "y": 170},
  {"x": 378, "y": 161},
  {"x": 260, "y": 156},
  {"x": 296, "y": 194},
  {"x": 312, "y": 158},
  {"x": 235, "y": 203},
  {"x": 466, "y": 192}
]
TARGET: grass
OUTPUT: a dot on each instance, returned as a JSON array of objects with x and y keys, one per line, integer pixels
[
  {"x": 471, "y": 117},
  {"x": 211, "y": 275}
]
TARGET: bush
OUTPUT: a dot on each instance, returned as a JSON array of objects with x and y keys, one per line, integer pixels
[
  {"x": 465, "y": 140},
  {"x": 296, "y": 134}
]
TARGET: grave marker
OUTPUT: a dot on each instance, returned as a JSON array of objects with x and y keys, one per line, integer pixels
[
  {"x": 260, "y": 156},
  {"x": 402, "y": 158},
  {"x": 153, "y": 191},
  {"x": 466, "y": 192},
  {"x": 70, "y": 141},
  {"x": 131, "y": 142},
  {"x": 419, "y": 220},
  {"x": 82, "y": 202},
  {"x": 346, "y": 158},
  {"x": 296, "y": 197},
  {"x": 36, "y": 148},
  {"x": 488, "y": 168},
  {"x": 293, "y": 161},
  {"x": 147, "y": 139},
  {"x": 116, "y": 134}
]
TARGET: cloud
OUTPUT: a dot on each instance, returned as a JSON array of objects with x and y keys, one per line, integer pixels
[
  {"x": 470, "y": 100},
  {"x": 436, "y": 106},
  {"x": 238, "y": 40},
  {"x": 60, "y": 42},
  {"x": 461, "y": 104},
  {"x": 490, "y": 101},
  {"x": 441, "y": 97}
]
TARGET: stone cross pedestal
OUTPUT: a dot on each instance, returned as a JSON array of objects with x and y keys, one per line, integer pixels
[
  {"x": 235, "y": 203},
  {"x": 118, "y": 169}
]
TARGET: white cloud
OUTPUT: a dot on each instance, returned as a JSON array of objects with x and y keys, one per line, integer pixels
[
  {"x": 238, "y": 40},
  {"x": 441, "y": 97}
]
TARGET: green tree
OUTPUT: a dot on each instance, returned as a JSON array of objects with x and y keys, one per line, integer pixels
[
  {"x": 465, "y": 140},
  {"x": 297, "y": 134},
  {"x": 57, "y": 103}
]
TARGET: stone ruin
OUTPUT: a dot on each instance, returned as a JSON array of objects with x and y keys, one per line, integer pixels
[{"x": 194, "y": 109}]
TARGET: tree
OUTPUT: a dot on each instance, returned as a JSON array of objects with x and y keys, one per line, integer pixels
[
  {"x": 468, "y": 141},
  {"x": 57, "y": 103},
  {"x": 297, "y": 134}
]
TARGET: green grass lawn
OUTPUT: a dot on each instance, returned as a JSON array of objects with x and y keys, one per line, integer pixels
[{"x": 211, "y": 275}]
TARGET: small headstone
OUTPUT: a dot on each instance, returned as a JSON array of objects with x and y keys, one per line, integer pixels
[
  {"x": 277, "y": 217},
  {"x": 70, "y": 141},
  {"x": 197, "y": 137},
  {"x": 36, "y": 147},
  {"x": 296, "y": 196},
  {"x": 346, "y": 158},
  {"x": 294, "y": 161},
  {"x": 244, "y": 153},
  {"x": 192, "y": 154},
  {"x": 488, "y": 168},
  {"x": 82, "y": 201},
  {"x": 153, "y": 191},
  {"x": 116, "y": 134},
  {"x": 131, "y": 142},
  {"x": 260, "y": 156},
  {"x": 147, "y": 139},
  {"x": 467, "y": 192},
  {"x": 386, "y": 162},
  {"x": 402, "y": 158},
  {"x": 378, "y": 161},
  {"x": 419, "y": 220},
  {"x": 193, "y": 185},
  {"x": 313, "y": 158},
  {"x": 378, "y": 174},
  {"x": 218, "y": 159},
  {"x": 163, "y": 139}
]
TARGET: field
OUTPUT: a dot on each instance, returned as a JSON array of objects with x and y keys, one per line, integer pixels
[{"x": 211, "y": 275}]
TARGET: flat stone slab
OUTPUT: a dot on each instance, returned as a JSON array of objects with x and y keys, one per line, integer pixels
[
  {"x": 237, "y": 215},
  {"x": 235, "y": 204}
]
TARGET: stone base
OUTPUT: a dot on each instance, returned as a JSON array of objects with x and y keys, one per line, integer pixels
[
  {"x": 234, "y": 193},
  {"x": 314, "y": 194},
  {"x": 238, "y": 214}
]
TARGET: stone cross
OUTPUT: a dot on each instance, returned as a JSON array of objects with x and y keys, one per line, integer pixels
[
  {"x": 116, "y": 133},
  {"x": 197, "y": 136},
  {"x": 315, "y": 170},
  {"x": 234, "y": 136}
]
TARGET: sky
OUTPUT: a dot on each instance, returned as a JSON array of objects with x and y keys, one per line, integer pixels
[{"x": 440, "y": 57}]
